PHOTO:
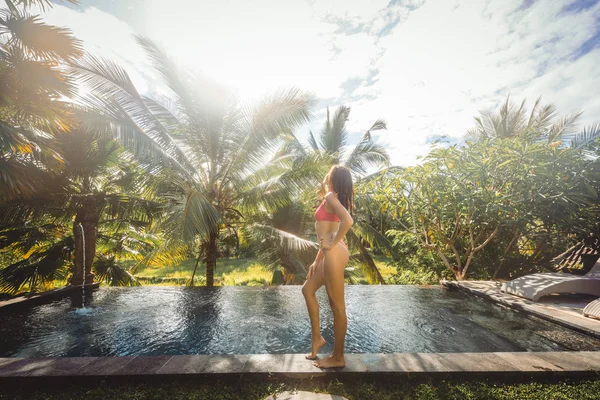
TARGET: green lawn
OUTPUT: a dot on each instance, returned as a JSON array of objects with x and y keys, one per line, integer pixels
[
  {"x": 358, "y": 389},
  {"x": 231, "y": 272}
]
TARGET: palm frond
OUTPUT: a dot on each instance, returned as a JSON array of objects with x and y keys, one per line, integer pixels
[
  {"x": 334, "y": 135},
  {"x": 169, "y": 252},
  {"x": 194, "y": 215},
  {"x": 364, "y": 259},
  {"x": 110, "y": 85},
  {"x": 42, "y": 4},
  {"x": 277, "y": 114},
  {"x": 40, "y": 268},
  {"x": 372, "y": 236},
  {"x": 108, "y": 270},
  {"x": 564, "y": 128},
  {"x": 286, "y": 240},
  {"x": 21, "y": 180},
  {"x": 103, "y": 76},
  {"x": 586, "y": 137},
  {"x": 366, "y": 152},
  {"x": 312, "y": 141},
  {"x": 40, "y": 40},
  {"x": 276, "y": 248},
  {"x": 378, "y": 125}
]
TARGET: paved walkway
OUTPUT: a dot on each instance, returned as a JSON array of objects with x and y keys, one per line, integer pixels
[
  {"x": 296, "y": 366},
  {"x": 563, "y": 310}
]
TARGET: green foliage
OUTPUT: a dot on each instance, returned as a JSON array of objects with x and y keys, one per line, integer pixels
[
  {"x": 206, "y": 145},
  {"x": 356, "y": 389},
  {"x": 520, "y": 194}
]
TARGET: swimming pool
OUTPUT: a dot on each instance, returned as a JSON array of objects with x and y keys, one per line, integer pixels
[{"x": 254, "y": 320}]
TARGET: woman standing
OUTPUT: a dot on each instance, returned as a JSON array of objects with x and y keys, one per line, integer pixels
[{"x": 333, "y": 220}]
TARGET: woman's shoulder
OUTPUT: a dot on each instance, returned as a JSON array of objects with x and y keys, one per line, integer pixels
[{"x": 330, "y": 196}]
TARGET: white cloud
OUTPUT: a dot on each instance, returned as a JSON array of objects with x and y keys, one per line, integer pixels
[
  {"x": 425, "y": 66},
  {"x": 443, "y": 64}
]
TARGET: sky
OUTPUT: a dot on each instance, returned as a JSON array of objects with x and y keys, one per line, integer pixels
[{"x": 427, "y": 67}]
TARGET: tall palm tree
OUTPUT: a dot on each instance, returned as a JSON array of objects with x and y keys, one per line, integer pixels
[
  {"x": 332, "y": 148},
  {"x": 333, "y": 143},
  {"x": 540, "y": 123},
  {"x": 214, "y": 153},
  {"x": 33, "y": 87},
  {"x": 95, "y": 198}
]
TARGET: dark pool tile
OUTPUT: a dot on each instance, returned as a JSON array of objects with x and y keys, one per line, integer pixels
[
  {"x": 46, "y": 366},
  {"x": 179, "y": 365},
  {"x": 420, "y": 362},
  {"x": 297, "y": 366},
  {"x": 476, "y": 362},
  {"x": 144, "y": 365},
  {"x": 383, "y": 363},
  {"x": 259, "y": 363},
  {"x": 227, "y": 364},
  {"x": 354, "y": 363},
  {"x": 103, "y": 366},
  {"x": 204, "y": 364},
  {"x": 61, "y": 366},
  {"x": 572, "y": 361},
  {"x": 23, "y": 366},
  {"x": 527, "y": 362},
  {"x": 591, "y": 355},
  {"x": 4, "y": 362}
]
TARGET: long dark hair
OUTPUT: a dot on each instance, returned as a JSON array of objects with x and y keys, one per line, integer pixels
[{"x": 339, "y": 180}]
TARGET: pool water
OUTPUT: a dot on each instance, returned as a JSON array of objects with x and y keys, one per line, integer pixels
[{"x": 251, "y": 320}]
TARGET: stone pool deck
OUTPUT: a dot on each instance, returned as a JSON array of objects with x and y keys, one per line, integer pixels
[
  {"x": 563, "y": 310},
  {"x": 45, "y": 296},
  {"x": 397, "y": 365}
]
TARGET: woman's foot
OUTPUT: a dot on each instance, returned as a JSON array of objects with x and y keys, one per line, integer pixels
[
  {"x": 315, "y": 348},
  {"x": 331, "y": 362}
]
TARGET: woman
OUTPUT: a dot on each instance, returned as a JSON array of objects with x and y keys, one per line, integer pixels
[{"x": 333, "y": 221}]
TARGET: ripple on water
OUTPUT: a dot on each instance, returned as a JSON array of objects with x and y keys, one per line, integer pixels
[{"x": 246, "y": 320}]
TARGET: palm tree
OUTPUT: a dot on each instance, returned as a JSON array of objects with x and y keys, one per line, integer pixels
[
  {"x": 215, "y": 154},
  {"x": 541, "y": 123},
  {"x": 333, "y": 141},
  {"x": 332, "y": 148},
  {"x": 33, "y": 87},
  {"x": 94, "y": 198}
]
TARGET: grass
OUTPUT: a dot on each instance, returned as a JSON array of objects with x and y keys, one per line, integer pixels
[
  {"x": 229, "y": 271},
  {"x": 352, "y": 390},
  {"x": 232, "y": 272}
]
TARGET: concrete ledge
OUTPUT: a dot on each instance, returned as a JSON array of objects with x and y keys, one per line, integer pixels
[
  {"x": 296, "y": 366},
  {"x": 44, "y": 297},
  {"x": 559, "y": 315}
]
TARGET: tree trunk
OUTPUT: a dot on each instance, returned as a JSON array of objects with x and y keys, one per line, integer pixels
[
  {"x": 195, "y": 267},
  {"x": 86, "y": 218},
  {"x": 370, "y": 263},
  {"x": 211, "y": 259},
  {"x": 510, "y": 245}
]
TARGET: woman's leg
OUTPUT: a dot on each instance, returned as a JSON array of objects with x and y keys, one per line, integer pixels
[
  {"x": 309, "y": 290},
  {"x": 336, "y": 260}
]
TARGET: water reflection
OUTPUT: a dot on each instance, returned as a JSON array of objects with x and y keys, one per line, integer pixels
[{"x": 227, "y": 320}]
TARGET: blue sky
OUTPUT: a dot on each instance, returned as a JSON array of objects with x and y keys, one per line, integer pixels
[{"x": 425, "y": 66}]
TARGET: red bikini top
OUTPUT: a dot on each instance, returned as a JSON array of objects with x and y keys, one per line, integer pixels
[{"x": 323, "y": 215}]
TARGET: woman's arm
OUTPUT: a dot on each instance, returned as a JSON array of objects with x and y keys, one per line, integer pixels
[
  {"x": 312, "y": 267},
  {"x": 346, "y": 220},
  {"x": 319, "y": 257}
]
